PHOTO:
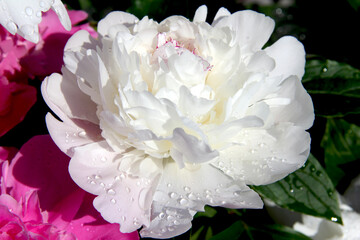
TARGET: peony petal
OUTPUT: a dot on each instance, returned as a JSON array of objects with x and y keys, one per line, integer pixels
[
  {"x": 167, "y": 222},
  {"x": 113, "y": 19},
  {"x": 252, "y": 29},
  {"x": 222, "y": 12},
  {"x": 24, "y": 16},
  {"x": 289, "y": 55},
  {"x": 68, "y": 135},
  {"x": 46, "y": 171},
  {"x": 188, "y": 149},
  {"x": 264, "y": 157},
  {"x": 64, "y": 92},
  {"x": 200, "y": 14},
  {"x": 22, "y": 98},
  {"x": 89, "y": 225},
  {"x": 123, "y": 198},
  {"x": 300, "y": 110}
]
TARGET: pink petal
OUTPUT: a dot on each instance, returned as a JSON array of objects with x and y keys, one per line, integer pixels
[
  {"x": 41, "y": 166},
  {"x": 89, "y": 225},
  {"x": 22, "y": 98}
]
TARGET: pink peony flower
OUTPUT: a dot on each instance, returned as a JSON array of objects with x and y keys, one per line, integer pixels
[
  {"x": 39, "y": 200},
  {"x": 21, "y": 60}
]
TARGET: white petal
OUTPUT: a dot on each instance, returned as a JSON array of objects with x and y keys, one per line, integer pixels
[
  {"x": 262, "y": 157},
  {"x": 167, "y": 222},
  {"x": 300, "y": 110},
  {"x": 187, "y": 148},
  {"x": 252, "y": 29},
  {"x": 197, "y": 185},
  {"x": 24, "y": 16},
  {"x": 200, "y": 14},
  {"x": 289, "y": 55},
  {"x": 113, "y": 19},
  {"x": 61, "y": 11},
  {"x": 123, "y": 198},
  {"x": 64, "y": 92},
  {"x": 222, "y": 12},
  {"x": 70, "y": 134}
]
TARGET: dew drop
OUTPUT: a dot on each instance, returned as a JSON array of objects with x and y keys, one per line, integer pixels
[
  {"x": 82, "y": 134},
  {"x": 171, "y": 229},
  {"x": 29, "y": 11},
  {"x": 92, "y": 182},
  {"x": 169, "y": 185},
  {"x": 113, "y": 201},
  {"x": 170, "y": 218},
  {"x": 111, "y": 191},
  {"x": 161, "y": 215},
  {"x": 123, "y": 218},
  {"x": 191, "y": 196},
  {"x": 127, "y": 189},
  {"x": 183, "y": 201},
  {"x": 173, "y": 195},
  {"x": 102, "y": 184},
  {"x": 38, "y": 14},
  {"x": 324, "y": 69},
  {"x": 11, "y": 26},
  {"x": 334, "y": 219},
  {"x": 187, "y": 189},
  {"x": 330, "y": 193},
  {"x": 136, "y": 222},
  {"x": 292, "y": 190},
  {"x": 103, "y": 159},
  {"x": 97, "y": 177},
  {"x": 176, "y": 222},
  {"x": 42, "y": 4},
  {"x": 319, "y": 174}
]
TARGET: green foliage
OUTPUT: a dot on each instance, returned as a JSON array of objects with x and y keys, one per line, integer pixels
[
  {"x": 334, "y": 87},
  {"x": 341, "y": 143},
  {"x": 309, "y": 190}
]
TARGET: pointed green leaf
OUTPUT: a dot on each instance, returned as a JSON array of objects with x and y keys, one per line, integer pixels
[
  {"x": 309, "y": 190},
  {"x": 334, "y": 87},
  {"x": 341, "y": 142}
]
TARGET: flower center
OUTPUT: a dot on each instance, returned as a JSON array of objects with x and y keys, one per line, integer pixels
[{"x": 166, "y": 46}]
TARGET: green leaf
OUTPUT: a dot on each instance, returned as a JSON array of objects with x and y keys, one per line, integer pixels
[
  {"x": 334, "y": 87},
  {"x": 279, "y": 232},
  {"x": 341, "y": 142},
  {"x": 355, "y": 4},
  {"x": 233, "y": 232},
  {"x": 309, "y": 190},
  {"x": 209, "y": 212}
]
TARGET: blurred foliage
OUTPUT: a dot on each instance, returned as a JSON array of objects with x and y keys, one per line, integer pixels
[{"x": 328, "y": 30}]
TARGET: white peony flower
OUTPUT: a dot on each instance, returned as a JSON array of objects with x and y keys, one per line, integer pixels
[
  {"x": 24, "y": 16},
  {"x": 161, "y": 119}
]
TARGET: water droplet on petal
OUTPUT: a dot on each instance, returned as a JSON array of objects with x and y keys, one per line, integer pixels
[
  {"x": 176, "y": 222},
  {"x": 162, "y": 215},
  {"x": 103, "y": 159},
  {"x": 113, "y": 201},
  {"x": 111, "y": 191},
  {"x": 183, "y": 201},
  {"x": 191, "y": 196},
  {"x": 187, "y": 189},
  {"x": 29, "y": 11},
  {"x": 173, "y": 195},
  {"x": 11, "y": 27},
  {"x": 82, "y": 134},
  {"x": 127, "y": 189}
]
